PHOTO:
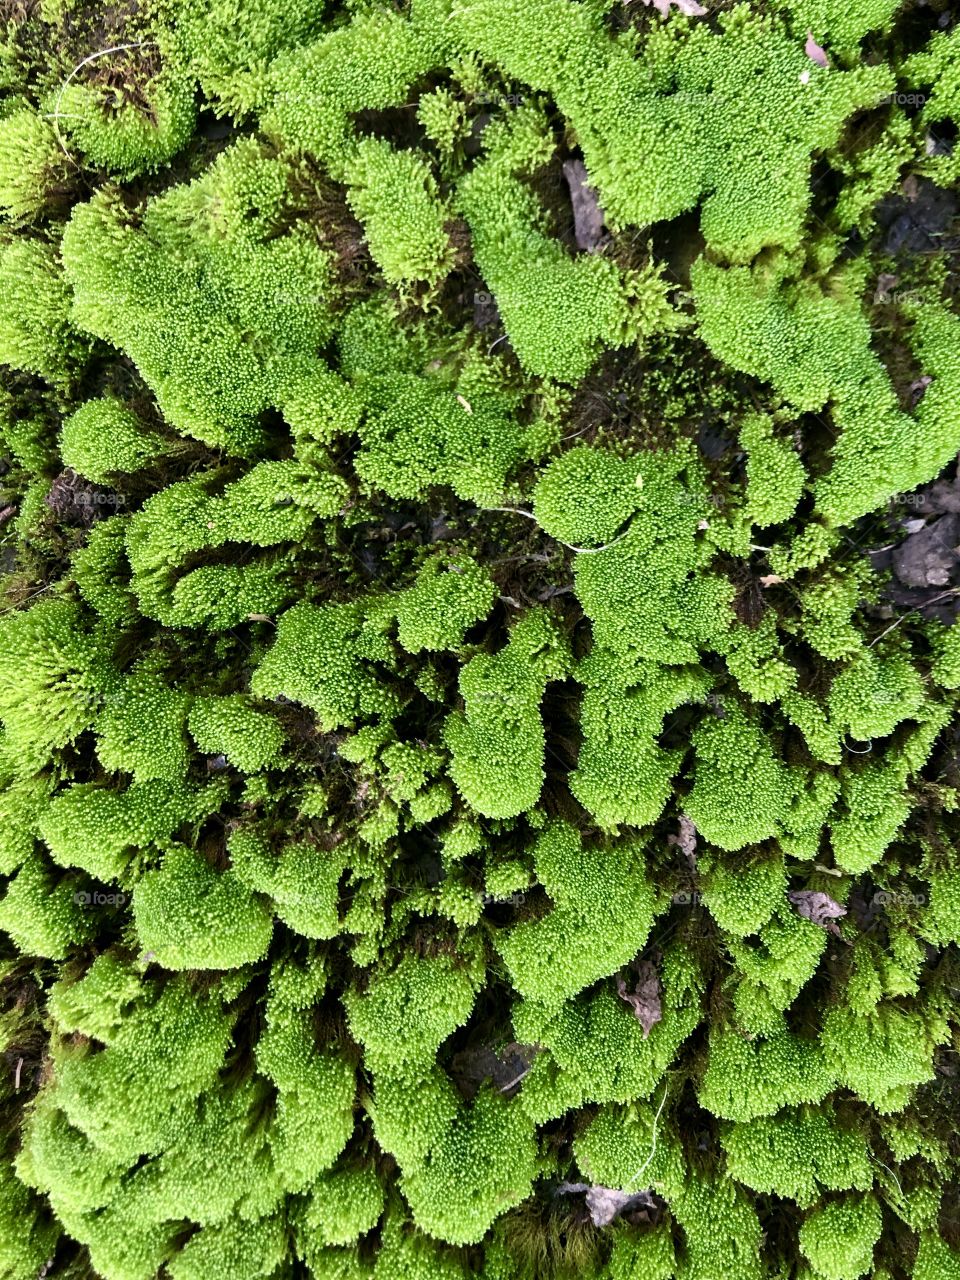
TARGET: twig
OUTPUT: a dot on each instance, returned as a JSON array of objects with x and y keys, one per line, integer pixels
[
  {"x": 942, "y": 596},
  {"x": 586, "y": 551},
  {"x": 653, "y": 1149},
  {"x": 892, "y": 1175},
  {"x": 516, "y": 1080},
  {"x": 55, "y": 115}
]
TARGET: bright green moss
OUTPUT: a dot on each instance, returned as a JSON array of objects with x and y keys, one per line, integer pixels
[
  {"x": 234, "y": 1250},
  {"x": 835, "y": 22},
  {"x": 448, "y": 596},
  {"x": 303, "y": 881},
  {"x": 36, "y": 333},
  {"x": 380, "y": 181},
  {"x": 41, "y": 911},
  {"x": 343, "y": 1205},
  {"x": 189, "y": 916},
  {"x": 588, "y": 495},
  {"x": 935, "y": 1259},
  {"x": 622, "y": 775},
  {"x": 229, "y": 45},
  {"x": 648, "y": 594},
  {"x": 101, "y": 571},
  {"x": 559, "y": 311},
  {"x": 406, "y": 1015},
  {"x": 601, "y": 917},
  {"x": 456, "y": 738},
  {"x": 31, "y": 163},
  {"x": 681, "y": 114},
  {"x": 141, "y": 729},
  {"x": 165, "y": 1054},
  {"x": 52, "y": 671},
  {"x": 105, "y": 438},
  {"x": 775, "y": 474},
  {"x": 740, "y": 786},
  {"x": 484, "y": 1164},
  {"x": 881, "y": 1056},
  {"x": 500, "y": 729},
  {"x": 125, "y": 137},
  {"x": 180, "y": 311},
  {"x": 98, "y": 829},
  {"x": 936, "y": 66},
  {"x": 744, "y": 895},
  {"x": 416, "y": 434},
  {"x": 322, "y": 658},
  {"x": 368, "y": 63},
  {"x": 839, "y": 1237},
  {"x": 813, "y": 345},
  {"x": 721, "y": 1229},
  {"x": 249, "y": 738},
  {"x": 28, "y": 1237},
  {"x": 775, "y": 967},
  {"x": 747, "y": 1079},
  {"x": 796, "y": 1153},
  {"x": 598, "y": 1048}
]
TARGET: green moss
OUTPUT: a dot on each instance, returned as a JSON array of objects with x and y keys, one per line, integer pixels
[{"x": 469, "y": 751}]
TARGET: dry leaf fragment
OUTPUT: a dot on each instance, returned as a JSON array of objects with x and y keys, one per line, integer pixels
[
  {"x": 607, "y": 1203},
  {"x": 587, "y": 214},
  {"x": 688, "y": 7},
  {"x": 817, "y": 907},
  {"x": 815, "y": 52},
  {"x": 918, "y": 390},
  {"x": 686, "y": 841},
  {"x": 770, "y": 580},
  {"x": 644, "y": 999},
  {"x": 466, "y": 403}
]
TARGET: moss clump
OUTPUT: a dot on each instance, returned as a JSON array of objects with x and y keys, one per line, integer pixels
[{"x": 479, "y": 648}]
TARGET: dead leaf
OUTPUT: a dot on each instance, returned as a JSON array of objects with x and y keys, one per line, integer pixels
[
  {"x": 587, "y": 214},
  {"x": 918, "y": 390},
  {"x": 815, "y": 52},
  {"x": 607, "y": 1203},
  {"x": 689, "y": 8},
  {"x": 927, "y": 557},
  {"x": 466, "y": 403},
  {"x": 505, "y": 1067},
  {"x": 817, "y": 907},
  {"x": 686, "y": 841},
  {"x": 644, "y": 999},
  {"x": 770, "y": 580},
  {"x": 910, "y": 187}
]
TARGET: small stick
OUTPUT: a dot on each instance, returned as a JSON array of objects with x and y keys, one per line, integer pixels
[{"x": 55, "y": 115}]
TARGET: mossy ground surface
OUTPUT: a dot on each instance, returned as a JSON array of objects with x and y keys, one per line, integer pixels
[{"x": 479, "y": 666}]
